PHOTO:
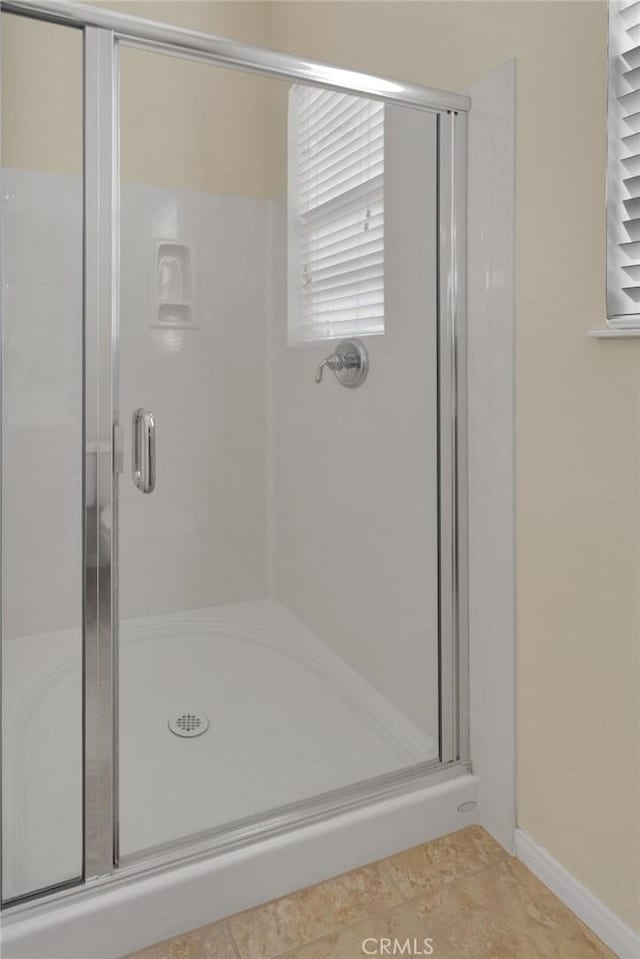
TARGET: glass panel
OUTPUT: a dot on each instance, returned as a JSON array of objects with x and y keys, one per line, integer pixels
[
  {"x": 41, "y": 455},
  {"x": 278, "y": 588}
]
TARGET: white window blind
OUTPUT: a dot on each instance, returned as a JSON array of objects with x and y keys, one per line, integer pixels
[
  {"x": 623, "y": 193},
  {"x": 336, "y": 214}
]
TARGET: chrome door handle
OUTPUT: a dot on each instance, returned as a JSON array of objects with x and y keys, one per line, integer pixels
[{"x": 143, "y": 456}]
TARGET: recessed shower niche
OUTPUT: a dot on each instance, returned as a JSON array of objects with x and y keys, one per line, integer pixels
[{"x": 173, "y": 285}]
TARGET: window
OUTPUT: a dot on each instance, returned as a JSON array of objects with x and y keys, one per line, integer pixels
[
  {"x": 623, "y": 194},
  {"x": 336, "y": 215}
]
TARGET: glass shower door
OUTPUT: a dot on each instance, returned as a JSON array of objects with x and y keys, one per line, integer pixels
[
  {"x": 42, "y": 456},
  {"x": 278, "y": 529}
]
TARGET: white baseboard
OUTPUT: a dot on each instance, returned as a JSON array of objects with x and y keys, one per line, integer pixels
[{"x": 622, "y": 940}]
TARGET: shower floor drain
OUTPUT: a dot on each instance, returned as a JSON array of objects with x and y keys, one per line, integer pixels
[{"x": 189, "y": 725}]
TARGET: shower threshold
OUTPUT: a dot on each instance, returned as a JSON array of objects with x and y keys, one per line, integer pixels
[{"x": 246, "y": 865}]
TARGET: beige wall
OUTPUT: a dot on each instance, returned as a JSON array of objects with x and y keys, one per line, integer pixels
[
  {"x": 578, "y": 416},
  {"x": 193, "y": 126},
  {"x": 184, "y": 125},
  {"x": 53, "y": 94}
]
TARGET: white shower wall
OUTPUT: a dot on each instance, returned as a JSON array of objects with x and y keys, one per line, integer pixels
[
  {"x": 201, "y": 538},
  {"x": 353, "y": 473},
  {"x": 42, "y": 408}
]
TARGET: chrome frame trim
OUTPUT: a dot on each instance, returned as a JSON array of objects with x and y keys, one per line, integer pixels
[
  {"x": 453, "y": 655},
  {"x": 246, "y": 833},
  {"x": 459, "y": 221},
  {"x": 103, "y": 31},
  {"x": 2, "y": 287},
  {"x": 100, "y": 272},
  {"x": 246, "y": 56}
]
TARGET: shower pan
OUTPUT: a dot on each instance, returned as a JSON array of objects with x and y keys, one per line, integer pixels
[{"x": 234, "y": 615}]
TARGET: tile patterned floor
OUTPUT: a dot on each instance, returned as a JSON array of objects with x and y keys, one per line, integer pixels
[{"x": 463, "y": 892}]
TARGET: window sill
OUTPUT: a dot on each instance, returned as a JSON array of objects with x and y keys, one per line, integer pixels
[{"x": 614, "y": 334}]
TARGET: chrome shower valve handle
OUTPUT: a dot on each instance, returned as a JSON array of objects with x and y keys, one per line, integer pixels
[
  {"x": 333, "y": 362},
  {"x": 349, "y": 362}
]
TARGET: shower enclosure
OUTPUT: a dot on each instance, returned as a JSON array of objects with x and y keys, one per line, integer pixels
[{"x": 233, "y": 502}]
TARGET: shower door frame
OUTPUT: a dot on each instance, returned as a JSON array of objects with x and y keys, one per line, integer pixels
[{"x": 104, "y": 31}]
